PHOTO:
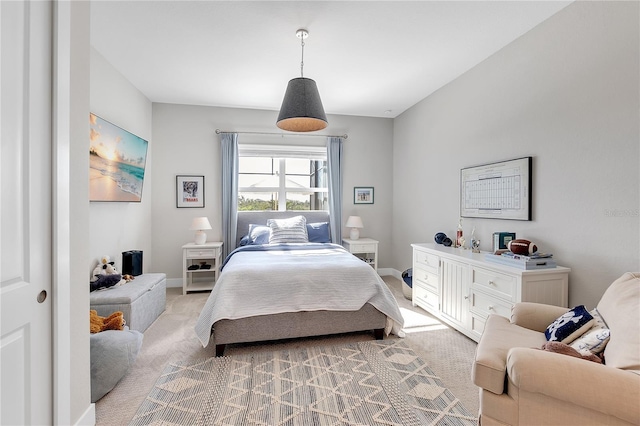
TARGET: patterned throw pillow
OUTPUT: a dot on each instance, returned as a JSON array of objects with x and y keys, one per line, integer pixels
[
  {"x": 595, "y": 339},
  {"x": 292, "y": 230},
  {"x": 570, "y": 325}
]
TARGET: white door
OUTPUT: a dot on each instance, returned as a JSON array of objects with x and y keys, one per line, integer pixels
[{"x": 25, "y": 218}]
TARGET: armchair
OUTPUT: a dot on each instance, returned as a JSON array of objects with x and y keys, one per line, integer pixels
[{"x": 520, "y": 384}]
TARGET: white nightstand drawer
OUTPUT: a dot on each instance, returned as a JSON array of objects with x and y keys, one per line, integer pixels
[
  {"x": 427, "y": 279},
  {"x": 501, "y": 285},
  {"x": 196, "y": 253},
  {"x": 427, "y": 261},
  {"x": 362, "y": 248}
]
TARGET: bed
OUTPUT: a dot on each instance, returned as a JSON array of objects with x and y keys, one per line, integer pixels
[{"x": 275, "y": 285}]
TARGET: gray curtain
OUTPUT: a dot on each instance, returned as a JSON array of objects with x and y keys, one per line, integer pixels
[
  {"x": 334, "y": 168},
  {"x": 229, "y": 143}
]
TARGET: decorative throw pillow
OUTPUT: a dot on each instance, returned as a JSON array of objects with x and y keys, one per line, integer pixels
[
  {"x": 318, "y": 232},
  {"x": 259, "y": 234},
  {"x": 595, "y": 339},
  {"x": 569, "y": 325},
  {"x": 292, "y": 230}
]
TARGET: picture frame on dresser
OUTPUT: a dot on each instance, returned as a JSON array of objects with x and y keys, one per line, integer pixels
[
  {"x": 363, "y": 195},
  {"x": 189, "y": 191}
]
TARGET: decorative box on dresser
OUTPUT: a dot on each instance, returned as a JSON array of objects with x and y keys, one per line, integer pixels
[
  {"x": 199, "y": 279},
  {"x": 462, "y": 288}
]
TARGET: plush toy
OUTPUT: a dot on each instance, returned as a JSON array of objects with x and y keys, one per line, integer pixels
[
  {"x": 115, "y": 321},
  {"x": 105, "y": 267},
  {"x": 564, "y": 349},
  {"x": 105, "y": 275},
  {"x": 128, "y": 277}
]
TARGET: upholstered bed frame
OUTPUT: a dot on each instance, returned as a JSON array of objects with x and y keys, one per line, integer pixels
[{"x": 293, "y": 324}]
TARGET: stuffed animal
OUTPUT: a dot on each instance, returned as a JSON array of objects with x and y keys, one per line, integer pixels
[
  {"x": 128, "y": 277},
  {"x": 564, "y": 349},
  {"x": 105, "y": 275},
  {"x": 105, "y": 267},
  {"x": 115, "y": 321}
]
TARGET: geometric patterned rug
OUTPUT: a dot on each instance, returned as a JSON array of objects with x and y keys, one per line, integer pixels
[{"x": 379, "y": 382}]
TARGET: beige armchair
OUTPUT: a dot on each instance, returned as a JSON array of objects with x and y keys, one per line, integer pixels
[{"x": 522, "y": 385}]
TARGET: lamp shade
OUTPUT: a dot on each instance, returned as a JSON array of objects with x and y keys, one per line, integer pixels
[
  {"x": 302, "y": 109},
  {"x": 354, "y": 222},
  {"x": 200, "y": 223}
]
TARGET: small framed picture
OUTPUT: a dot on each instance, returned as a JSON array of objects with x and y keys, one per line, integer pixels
[
  {"x": 189, "y": 191},
  {"x": 363, "y": 195}
]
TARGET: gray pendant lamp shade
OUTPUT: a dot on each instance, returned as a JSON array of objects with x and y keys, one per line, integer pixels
[{"x": 302, "y": 109}]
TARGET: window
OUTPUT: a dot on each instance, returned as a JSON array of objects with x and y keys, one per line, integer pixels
[{"x": 282, "y": 178}]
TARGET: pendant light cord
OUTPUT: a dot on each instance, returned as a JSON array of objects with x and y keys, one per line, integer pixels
[{"x": 302, "y": 60}]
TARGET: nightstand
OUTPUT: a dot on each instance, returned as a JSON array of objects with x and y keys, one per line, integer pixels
[
  {"x": 364, "y": 248},
  {"x": 200, "y": 266}
]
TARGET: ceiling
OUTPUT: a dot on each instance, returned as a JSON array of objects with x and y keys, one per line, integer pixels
[{"x": 373, "y": 59}]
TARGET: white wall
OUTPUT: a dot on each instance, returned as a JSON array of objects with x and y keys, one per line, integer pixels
[
  {"x": 185, "y": 143},
  {"x": 566, "y": 93},
  {"x": 117, "y": 226}
]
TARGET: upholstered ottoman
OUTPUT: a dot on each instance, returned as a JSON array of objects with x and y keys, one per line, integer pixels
[
  {"x": 113, "y": 352},
  {"x": 141, "y": 300}
]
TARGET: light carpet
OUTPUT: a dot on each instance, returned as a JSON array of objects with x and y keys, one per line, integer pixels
[{"x": 365, "y": 383}]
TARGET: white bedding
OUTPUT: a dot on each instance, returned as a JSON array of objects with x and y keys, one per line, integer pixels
[{"x": 270, "y": 282}]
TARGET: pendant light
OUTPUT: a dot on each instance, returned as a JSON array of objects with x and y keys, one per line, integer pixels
[{"x": 302, "y": 109}]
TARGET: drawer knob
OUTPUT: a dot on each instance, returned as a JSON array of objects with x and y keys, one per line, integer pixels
[
  {"x": 492, "y": 283},
  {"x": 466, "y": 298},
  {"x": 490, "y": 308}
]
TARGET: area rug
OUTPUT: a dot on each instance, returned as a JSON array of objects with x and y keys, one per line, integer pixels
[{"x": 368, "y": 383}]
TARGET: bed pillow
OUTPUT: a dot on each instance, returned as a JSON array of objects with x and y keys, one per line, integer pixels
[
  {"x": 292, "y": 230},
  {"x": 570, "y": 325},
  {"x": 318, "y": 232},
  {"x": 258, "y": 234}
]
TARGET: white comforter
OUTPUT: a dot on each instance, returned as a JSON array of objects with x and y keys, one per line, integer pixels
[{"x": 270, "y": 282}]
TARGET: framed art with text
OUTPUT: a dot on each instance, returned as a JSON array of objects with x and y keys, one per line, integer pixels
[
  {"x": 189, "y": 191},
  {"x": 363, "y": 195},
  {"x": 500, "y": 190}
]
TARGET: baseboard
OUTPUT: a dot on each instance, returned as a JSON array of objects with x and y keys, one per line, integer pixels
[
  {"x": 390, "y": 271},
  {"x": 88, "y": 418}
]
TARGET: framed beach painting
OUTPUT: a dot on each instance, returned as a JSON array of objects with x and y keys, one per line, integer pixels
[
  {"x": 189, "y": 191},
  {"x": 116, "y": 162},
  {"x": 363, "y": 195}
]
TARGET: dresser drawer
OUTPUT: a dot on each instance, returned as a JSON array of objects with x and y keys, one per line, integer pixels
[
  {"x": 427, "y": 279},
  {"x": 496, "y": 283},
  {"x": 427, "y": 261},
  {"x": 198, "y": 253},
  {"x": 425, "y": 298},
  {"x": 484, "y": 304}
]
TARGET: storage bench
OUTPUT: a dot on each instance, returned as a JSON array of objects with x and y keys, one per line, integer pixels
[{"x": 141, "y": 300}]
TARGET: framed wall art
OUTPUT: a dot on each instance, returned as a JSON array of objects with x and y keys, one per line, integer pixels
[
  {"x": 363, "y": 195},
  {"x": 116, "y": 162},
  {"x": 189, "y": 191},
  {"x": 500, "y": 190}
]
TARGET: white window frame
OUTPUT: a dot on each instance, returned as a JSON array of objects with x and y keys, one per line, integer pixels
[{"x": 282, "y": 152}]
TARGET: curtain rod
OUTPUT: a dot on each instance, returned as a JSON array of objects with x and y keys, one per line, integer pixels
[{"x": 345, "y": 136}]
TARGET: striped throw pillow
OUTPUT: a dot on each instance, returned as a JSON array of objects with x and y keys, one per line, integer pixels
[{"x": 292, "y": 230}]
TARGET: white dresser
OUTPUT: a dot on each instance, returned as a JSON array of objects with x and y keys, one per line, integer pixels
[{"x": 462, "y": 288}]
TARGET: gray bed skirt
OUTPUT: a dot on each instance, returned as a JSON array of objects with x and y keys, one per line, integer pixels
[{"x": 296, "y": 324}]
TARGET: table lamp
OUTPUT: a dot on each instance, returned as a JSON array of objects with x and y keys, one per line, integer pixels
[
  {"x": 199, "y": 224},
  {"x": 354, "y": 222}
]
